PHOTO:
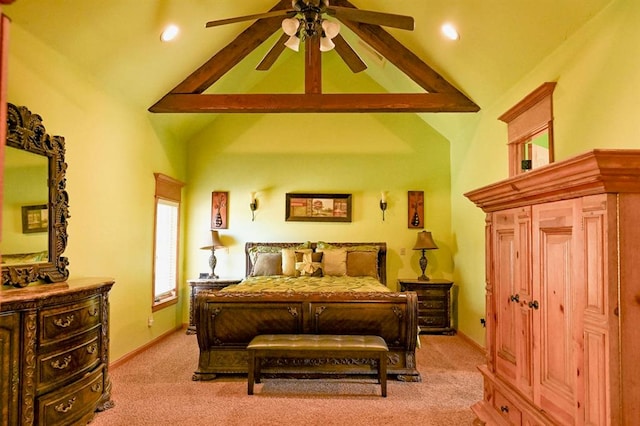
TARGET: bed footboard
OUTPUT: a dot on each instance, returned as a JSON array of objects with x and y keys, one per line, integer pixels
[{"x": 226, "y": 323}]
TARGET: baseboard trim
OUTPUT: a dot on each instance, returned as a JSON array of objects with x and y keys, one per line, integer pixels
[
  {"x": 472, "y": 342},
  {"x": 138, "y": 351}
]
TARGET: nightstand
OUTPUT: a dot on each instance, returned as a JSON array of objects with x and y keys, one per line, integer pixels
[
  {"x": 434, "y": 304},
  {"x": 205, "y": 284}
]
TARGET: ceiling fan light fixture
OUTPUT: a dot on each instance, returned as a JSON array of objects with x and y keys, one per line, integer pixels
[
  {"x": 290, "y": 26},
  {"x": 293, "y": 43},
  {"x": 331, "y": 29},
  {"x": 326, "y": 44}
]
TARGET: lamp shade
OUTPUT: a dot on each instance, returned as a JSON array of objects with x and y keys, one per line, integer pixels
[
  {"x": 326, "y": 44},
  {"x": 290, "y": 26},
  {"x": 425, "y": 241},
  {"x": 214, "y": 243},
  {"x": 331, "y": 29},
  {"x": 293, "y": 43}
]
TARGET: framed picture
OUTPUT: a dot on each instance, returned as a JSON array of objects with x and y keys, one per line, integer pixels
[
  {"x": 35, "y": 219},
  {"x": 318, "y": 207},
  {"x": 219, "y": 206},
  {"x": 416, "y": 209}
]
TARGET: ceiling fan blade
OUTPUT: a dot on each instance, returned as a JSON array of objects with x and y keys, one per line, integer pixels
[
  {"x": 284, "y": 12},
  {"x": 273, "y": 54},
  {"x": 369, "y": 17},
  {"x": 348, "y": 55}
]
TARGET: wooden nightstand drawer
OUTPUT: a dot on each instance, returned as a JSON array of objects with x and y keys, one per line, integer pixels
[
  {"x": 69, "y": 320},
  {"x": 440, "y": 305},
  {"x": 73, "y": 403},
  {"x": 64, "y": 363},
  {"x": 439, "y": 321},
  {"x": 436, "y": 293}
]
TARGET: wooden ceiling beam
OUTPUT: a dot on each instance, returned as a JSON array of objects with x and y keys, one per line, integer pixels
[{"x": 310, "y": 102}]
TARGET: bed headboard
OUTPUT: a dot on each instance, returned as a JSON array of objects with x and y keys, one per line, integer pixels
[{"x": 382, "y": 254}]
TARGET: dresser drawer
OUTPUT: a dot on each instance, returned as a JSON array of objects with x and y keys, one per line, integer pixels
[
  {"x": 432, "y": 293},
  {"x": 507, "y": 409},
  {"x": 64, "y": 362},
  {"x": 69, "y": 320},
  {"x": 433, "y": 320},
  {"x": 73, "y": 404},
  {"x": 440, "y": 305}
]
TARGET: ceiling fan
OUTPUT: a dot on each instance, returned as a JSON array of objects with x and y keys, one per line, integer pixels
[{"x": 305, "y": 21}]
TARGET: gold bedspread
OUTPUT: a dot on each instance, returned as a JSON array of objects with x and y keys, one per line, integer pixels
[{"x": 282, "y": 283}]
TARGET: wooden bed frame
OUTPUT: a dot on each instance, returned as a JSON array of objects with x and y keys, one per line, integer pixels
[{"x": 226, "y": 323}]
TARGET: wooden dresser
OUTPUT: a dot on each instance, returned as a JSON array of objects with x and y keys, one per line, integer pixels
[
  {"x": 563, "y": 292},
  {"x": 54, "y": 352}
]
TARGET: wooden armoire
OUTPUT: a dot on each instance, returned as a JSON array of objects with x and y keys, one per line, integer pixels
[{"x": 563, "y": 293}]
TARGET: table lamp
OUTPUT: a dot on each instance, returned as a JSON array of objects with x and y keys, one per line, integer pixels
[
  {"x": 213, "y": 245},
  {"x": 424, "y": 242}
]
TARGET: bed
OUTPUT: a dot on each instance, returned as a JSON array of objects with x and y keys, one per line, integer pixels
[{"x": 279, "y": 301}]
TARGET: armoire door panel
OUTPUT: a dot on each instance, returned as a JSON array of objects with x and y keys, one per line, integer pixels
[
  {"x": 505, "y": 313},
  {"x": 554, "y": 305}
]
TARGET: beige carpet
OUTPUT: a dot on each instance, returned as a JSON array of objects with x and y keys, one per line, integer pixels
[{"x": 155, "y": 388}]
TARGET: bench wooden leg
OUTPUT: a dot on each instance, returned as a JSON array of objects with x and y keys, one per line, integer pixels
[
  {"x": 382, "y": 373},
  {"x": 250, "y": 377}
]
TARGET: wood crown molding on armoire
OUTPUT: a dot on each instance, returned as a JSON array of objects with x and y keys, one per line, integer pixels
[{"x": 563, "y": 293}]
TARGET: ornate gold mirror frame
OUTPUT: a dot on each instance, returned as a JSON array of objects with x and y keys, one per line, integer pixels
[
  {"x": 530, "y": 130},
  {"x": 25, "y": 131}
]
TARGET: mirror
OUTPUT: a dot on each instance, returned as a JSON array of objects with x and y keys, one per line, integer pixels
[
  {"x": 35, "y": 207},
  {"x": 530, "y": 130}
]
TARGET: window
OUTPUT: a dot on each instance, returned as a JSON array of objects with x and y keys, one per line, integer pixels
[{"x": 166, "y": 241}]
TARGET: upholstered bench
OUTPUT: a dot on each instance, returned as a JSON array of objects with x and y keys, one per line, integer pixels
[{"x": 316, "y": 346}]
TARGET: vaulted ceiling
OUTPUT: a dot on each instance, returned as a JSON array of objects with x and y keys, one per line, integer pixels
[{"x": 116, "y": 42}]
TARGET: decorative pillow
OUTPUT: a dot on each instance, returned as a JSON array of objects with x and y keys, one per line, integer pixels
[
  {"x": 255, "y": 250},
  {"x": 289, "y": 261},
  {"x": 334, "y": 261},
  {"x": 267, "y": 264},
  {"x": 364, "y": 247},
  {"x": 362, "y": 264},
  {"x": 308, "y": 263}
]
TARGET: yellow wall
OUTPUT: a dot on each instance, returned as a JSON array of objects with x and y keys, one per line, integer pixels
[{"x": 112, "y": 153}]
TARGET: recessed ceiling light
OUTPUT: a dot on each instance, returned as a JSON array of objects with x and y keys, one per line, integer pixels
[
  {"x": 450, "y": 32},
  {"x": 169, "y": 33}
]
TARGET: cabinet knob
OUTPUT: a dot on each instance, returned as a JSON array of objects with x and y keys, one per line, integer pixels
[
  {"x": 534, "y": 304},
  {"x": 504, "y": 408},
  {"x": 515, "y": 298}
]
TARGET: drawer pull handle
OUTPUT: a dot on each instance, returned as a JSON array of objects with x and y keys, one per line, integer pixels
[
  {"x": 63, "y": 408},
  {"x": 61, "y": 366},
  {"x": 504, "y": 409},
  {"x": 96, "y": 387},
  {"x": 94, "y": 312},
  {"x": 92, "y": 348},
  {"x": 66, "y": 322}
]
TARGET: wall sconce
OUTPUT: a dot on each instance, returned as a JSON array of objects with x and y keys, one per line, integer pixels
[
  {"x": 383, "y": 203},
  {"x": 253, "y": 205},
  {"x": 424, "y": 242},
  {"x": 214, "y": 244}
]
